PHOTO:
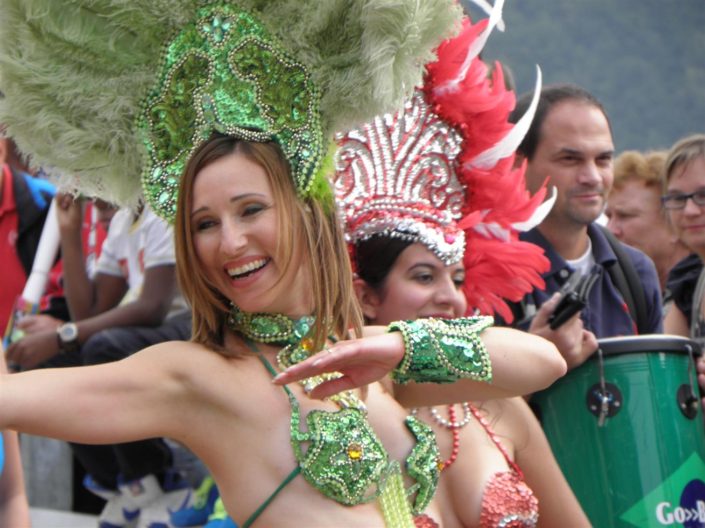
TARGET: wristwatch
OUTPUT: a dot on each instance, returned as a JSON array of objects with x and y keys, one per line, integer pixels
[{"x": 67, "y": 335}]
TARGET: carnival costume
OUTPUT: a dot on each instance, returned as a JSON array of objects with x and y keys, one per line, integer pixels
[
  {"x": 440, "y": 173},
  {"x": 113, "y": 97}
]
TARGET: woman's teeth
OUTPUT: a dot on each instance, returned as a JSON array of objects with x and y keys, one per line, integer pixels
[{"x": 248, "y": 268}]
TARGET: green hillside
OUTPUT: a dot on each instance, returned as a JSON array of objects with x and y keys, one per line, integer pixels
[{"x": 644, "y": 59}]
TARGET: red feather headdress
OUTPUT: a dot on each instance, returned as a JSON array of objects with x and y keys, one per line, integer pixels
[{"x": 441, "y": 172}]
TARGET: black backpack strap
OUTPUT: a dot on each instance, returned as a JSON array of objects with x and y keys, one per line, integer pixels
[{"x": 627, "y": 280}]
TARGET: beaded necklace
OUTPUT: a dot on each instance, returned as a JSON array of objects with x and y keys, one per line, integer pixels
[
  {"x": 454, "y": 426},
  {"x": 270, "y": 328},
  {"x": 292, "y": 334}
]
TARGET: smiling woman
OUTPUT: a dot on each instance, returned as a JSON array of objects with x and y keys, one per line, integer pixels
[
  {"x": 495, "y": 459},
  {"x": 242, "y": 222}
]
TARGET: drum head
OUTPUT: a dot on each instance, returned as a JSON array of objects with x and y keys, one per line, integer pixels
[{"x": 671, "y": 344}]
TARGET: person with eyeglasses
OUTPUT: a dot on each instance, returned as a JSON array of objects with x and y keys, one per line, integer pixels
[{"x": 684, "y": 202}]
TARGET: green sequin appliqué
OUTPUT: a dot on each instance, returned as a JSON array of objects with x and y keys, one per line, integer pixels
[
  {"x": 271, "y": 328},
  {"x": 225, "y": 72},
  {"x": 422, "y": 463},
  {"x": 345, "y": 460}
]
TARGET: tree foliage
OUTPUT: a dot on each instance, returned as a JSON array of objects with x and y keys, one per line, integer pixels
[{"x": 644, "y": 59}]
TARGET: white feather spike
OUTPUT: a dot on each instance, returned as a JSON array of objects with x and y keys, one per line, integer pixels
[
  {"x": 540, "y": 213},
  {"x": 473, "y": 51},
  {"x": 487, "y": 8},
  {"x": 493, "y": 230},
  {"x": 508, "y": 145}
]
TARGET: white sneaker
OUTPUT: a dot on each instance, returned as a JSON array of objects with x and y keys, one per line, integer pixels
[
  {"x": 118, "y": 512},
  {"x": 155, "y": 503}
]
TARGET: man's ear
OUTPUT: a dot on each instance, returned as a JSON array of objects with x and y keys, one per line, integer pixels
[
  {"x": 518, "y": 160},
  {"x": 368, "y": 297}
]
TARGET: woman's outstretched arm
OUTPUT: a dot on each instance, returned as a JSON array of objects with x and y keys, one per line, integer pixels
[
  {"x": 136, "y": 398},
  {"x": 521, "y": 363}
]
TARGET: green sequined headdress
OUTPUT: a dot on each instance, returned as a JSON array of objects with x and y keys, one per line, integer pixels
[{"x": 114, "y": 95}]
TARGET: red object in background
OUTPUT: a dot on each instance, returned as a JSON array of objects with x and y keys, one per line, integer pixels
[
  {"x": 93, "y": 235},
  {"x": 13, "y": 274}
]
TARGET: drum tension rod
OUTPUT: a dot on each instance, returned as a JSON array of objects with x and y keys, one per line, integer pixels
[{"x": 686, "y": 396}]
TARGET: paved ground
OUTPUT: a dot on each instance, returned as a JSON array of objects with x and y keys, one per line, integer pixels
[{"x": 45, "y": 518}]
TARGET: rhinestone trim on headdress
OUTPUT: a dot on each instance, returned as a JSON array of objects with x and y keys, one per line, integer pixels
[
  {"x": 442, "y": 173},
  {"x": 396, "y": 176},
  {"x": 226, "y": 73}
]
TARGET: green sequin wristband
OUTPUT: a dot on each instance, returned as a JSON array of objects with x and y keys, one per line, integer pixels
[{"x": 443, "y": 350}]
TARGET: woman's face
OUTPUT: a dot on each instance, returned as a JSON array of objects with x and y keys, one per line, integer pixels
[
  {"x": 689, "y": 222},
  {"x": 418, "y": 285},
  {"x": 235, "y": 231}
]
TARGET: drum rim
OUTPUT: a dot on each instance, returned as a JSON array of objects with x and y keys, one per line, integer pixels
[{"x": 649, "y": 343}]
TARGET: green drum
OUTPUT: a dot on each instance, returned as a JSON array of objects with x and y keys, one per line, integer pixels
[{"x": 627, "y": 429}]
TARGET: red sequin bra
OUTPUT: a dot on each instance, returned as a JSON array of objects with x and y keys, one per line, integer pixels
[{"x": 507, "y": 501}]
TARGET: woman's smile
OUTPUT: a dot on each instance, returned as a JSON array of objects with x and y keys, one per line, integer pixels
[{"x": 244, "y": 270}]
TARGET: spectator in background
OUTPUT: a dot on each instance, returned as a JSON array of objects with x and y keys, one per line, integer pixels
[
  {"x": 570, "y": 143},
  {"x": 684, "y": 202},
  {"x": 24, "y": 203},
  {"x": 122, "y": 309},
  {"x": 96, "y": 219},
  {"x": 635, "y": 213}
]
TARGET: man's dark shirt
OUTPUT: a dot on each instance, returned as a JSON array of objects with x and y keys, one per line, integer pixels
[{"x": 606, "y": 314}]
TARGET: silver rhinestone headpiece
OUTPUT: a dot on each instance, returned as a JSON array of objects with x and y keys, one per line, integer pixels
[{"x": 396, "y": 176}]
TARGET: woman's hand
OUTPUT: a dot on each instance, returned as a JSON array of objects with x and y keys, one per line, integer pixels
[{"x": 360, "y": 361}]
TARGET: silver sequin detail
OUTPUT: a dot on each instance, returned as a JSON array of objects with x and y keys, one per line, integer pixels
[{"x": 397, "y": 176}]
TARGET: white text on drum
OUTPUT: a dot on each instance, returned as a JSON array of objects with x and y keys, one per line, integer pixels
[{"x": 680, "y": 515}]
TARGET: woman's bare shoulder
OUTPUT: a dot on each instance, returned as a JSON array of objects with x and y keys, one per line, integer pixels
[
  {"x": 177, "y": 352},
  {"x": 185, "y": 360}
]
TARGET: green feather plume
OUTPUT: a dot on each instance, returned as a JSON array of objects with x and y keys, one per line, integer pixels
[{"x": 75, "y": 73}]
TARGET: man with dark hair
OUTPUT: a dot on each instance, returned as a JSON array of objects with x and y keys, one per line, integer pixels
[{"x": 570, "y": 144}]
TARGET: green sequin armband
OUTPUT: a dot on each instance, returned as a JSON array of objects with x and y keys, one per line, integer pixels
[{"x": 443, "y": 350}]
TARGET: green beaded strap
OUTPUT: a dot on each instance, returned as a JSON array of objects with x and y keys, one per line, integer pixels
[{"x": 443, "y": 350}]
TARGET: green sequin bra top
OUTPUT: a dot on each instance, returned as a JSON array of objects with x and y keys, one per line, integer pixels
[{"x": 339, "y": 453}]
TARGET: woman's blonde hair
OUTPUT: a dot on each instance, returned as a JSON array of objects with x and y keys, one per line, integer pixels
[
  {"x": 307, "y": 230},
  {"x": 683, "y": 152}
]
